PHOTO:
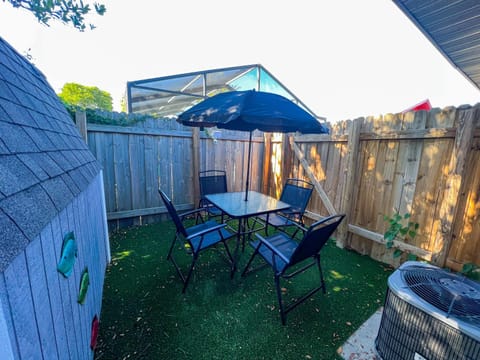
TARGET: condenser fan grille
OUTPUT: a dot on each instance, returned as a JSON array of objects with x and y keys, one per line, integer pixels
[
  {"x": 453, "y": 294},
  {"x": 429, "y": 313}
]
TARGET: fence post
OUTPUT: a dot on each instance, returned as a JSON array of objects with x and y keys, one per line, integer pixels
[
  {"x": 267, "y": 143},
  {"x": 196, "y": 164},
  {"x": 456, "y": 172},
  {"x": 81, "y": 122},
  {"x": 349, "y": 177},
  {"x": 287, "y": 157}
]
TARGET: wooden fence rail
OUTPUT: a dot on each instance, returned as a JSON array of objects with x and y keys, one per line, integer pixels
[{"x": 423, "y": 163}]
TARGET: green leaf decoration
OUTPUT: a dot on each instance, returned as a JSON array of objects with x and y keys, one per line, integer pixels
[
  {"x": 69, "y": 253},
  {"x": 397, "y": 253},
  {"x": 412, "y": 233},
  {"x": 389, "y": 244},
  {"x": 84, "y": 283},
  {"x": 406, "y": 216}
]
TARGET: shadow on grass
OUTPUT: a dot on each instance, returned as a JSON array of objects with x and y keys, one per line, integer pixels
[{"x": 145, "y": 315}]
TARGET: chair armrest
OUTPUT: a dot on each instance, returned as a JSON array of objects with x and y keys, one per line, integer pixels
[
  {"x": 299, "y": 227},
  {"x": 190, "y": 212},
  {"x": 272, "y": 248},
  {"x": 206, "y": 231}
]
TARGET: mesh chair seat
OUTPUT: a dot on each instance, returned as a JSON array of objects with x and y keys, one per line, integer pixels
[
  {"x": 281, "y": 242},
  {"x": 195, "y": 238},
  {"x": 283, "y": 253},
  {"x": 212, "y": 210},
  {"x": 276, "y": 220},
  {"x": 209, "y": 239},
  {"x": 296, "y": 193}
]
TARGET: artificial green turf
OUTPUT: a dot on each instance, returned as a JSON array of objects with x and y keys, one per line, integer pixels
[{"x": 146, "y": 316}]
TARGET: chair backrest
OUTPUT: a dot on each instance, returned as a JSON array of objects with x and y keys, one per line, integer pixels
[
  {"x": 173, "y": 213},
  {"x": 315, "y": 238},
  {"x": 297, "y": 193},
  {"x": 212, "y": 182}
]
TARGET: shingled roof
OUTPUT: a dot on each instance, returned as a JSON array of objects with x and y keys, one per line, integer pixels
[{"x": 44, "y": 162}]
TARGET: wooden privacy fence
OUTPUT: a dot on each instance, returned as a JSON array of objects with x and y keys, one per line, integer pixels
[
  {"x": 162, "y": 154},
  {"x": 423, "y": 163}
]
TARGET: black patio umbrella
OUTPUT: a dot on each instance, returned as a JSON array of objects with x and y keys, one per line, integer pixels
[{"x": 251, "y": 110}]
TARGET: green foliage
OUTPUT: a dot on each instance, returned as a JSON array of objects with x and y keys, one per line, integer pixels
[
  {"x": 123, "y": 103},
  {"x": 97, "y": 116},
  {"x": 84, "y": 97},
  {"x": 400, "y": 228},
  {"x": 471, "y": 271},
  {"x": 67, "y": 11}
]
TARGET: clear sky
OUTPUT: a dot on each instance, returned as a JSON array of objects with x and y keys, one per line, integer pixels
[{"x": 344, "y": 58}]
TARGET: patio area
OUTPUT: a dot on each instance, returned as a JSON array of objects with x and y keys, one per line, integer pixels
[{"x": 146, "y": 316}]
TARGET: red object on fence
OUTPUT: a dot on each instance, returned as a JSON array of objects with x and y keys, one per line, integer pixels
[
  {"x": 424, "y": 105},
  {"x": 94, "y": 333}
]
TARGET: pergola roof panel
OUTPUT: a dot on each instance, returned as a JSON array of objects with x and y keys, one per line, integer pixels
[{"x": 170, "y": 95}]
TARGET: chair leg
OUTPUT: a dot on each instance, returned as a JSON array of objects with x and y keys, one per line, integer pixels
[
  {"x": 322, "y": 281},
  {"x": 228, "y": 252},
  {"x": 243, "y": 228},
  {"x": 283, "y": 315},
  {"x": 169, "y": 255},
  {"x": 244, "y": 272},
  {"x": 266, "y": 227},
  {"x": 187, "y": 278}
]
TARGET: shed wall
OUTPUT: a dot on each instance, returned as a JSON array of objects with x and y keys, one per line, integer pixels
[{"x": 39, "y": 305}]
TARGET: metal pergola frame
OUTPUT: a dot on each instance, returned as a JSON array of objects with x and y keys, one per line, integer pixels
[{"x": 168, "y": 96}]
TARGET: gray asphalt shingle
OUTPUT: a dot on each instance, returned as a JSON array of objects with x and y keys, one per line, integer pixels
[
  {"x": 3, "y": 148},
  {"x": 12, "y": 240},
  {"x": 62, "y": 161},
  {"x": 67, "y": 179},
  {"x": 58, "y": 192},
  {"x": 34, "y": 167},
  {"x": 31, "y": 210},
  {"x": 14, "y": 175},
  {"x": 47, "y": 164},
  {"x": 16, "y": 139}
]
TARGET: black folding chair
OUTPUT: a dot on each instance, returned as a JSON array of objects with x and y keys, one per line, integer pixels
[
  {"x": 282, "y": 253},
  {"x": 297, "y": 193},
  {"x": 195, "y": 238},
  {"x": 212, "y": 182}
]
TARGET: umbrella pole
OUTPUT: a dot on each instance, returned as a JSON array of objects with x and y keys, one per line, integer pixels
[{"x": 248, "y": 165}]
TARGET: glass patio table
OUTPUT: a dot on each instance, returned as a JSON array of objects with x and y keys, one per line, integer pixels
[{"x": 235, "y": 206}]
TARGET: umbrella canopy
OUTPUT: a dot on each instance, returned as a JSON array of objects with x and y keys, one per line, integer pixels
[{"x": 251, "y": 110}]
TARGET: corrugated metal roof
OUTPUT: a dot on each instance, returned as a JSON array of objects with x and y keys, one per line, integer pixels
[{"x": 453, "y": 27}]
